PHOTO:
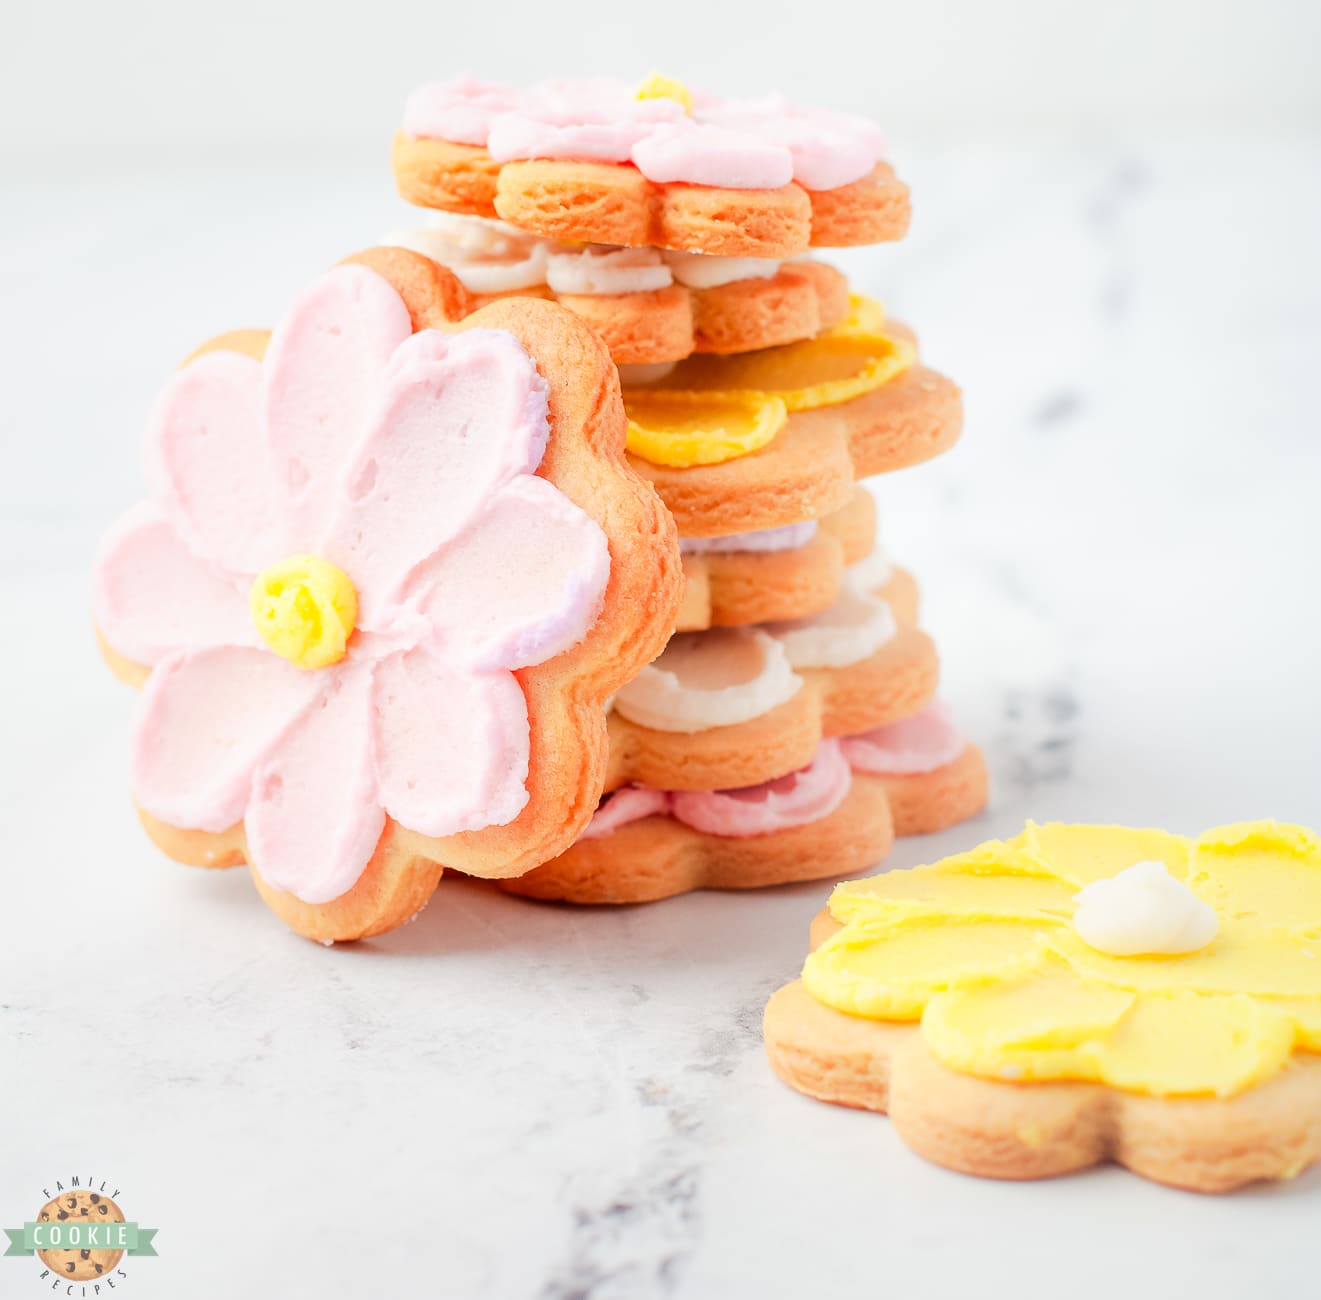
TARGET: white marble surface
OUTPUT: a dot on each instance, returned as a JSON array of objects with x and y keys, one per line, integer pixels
[{"x": 1119, "y": 564}]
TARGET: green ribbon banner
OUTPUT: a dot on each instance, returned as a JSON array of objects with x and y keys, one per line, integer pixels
[{"x": 131, "y": 1238}]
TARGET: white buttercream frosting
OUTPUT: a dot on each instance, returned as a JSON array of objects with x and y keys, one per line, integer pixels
[
  {"x": 600, "y": 269},
  {"x": 854, "y": 628},
  {"x": 715, "y": 678},
  {"x": 871, "y": 572},
  {"x": 705, "y": 271},
  {"x": 1143, "y": 910}
]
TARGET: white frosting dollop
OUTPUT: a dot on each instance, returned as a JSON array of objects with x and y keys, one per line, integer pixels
[
  {"x": 854, "y": 628},
  {"x": 707, "y": 271},
  {"x": 600, "y": 269},
  {"x": 708, "y": 679},
  {"x": 1143, "y": 910},
  {"x": 787, "y": 537}
]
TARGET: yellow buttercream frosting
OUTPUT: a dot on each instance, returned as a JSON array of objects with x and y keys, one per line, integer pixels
[
  {"x": 684, "y": 429},
  {"x": 710, "y": 409},
  {"x": 659, "y": 87},
  {"x": 981, "y": 949},
  {"x": 305, "y": 609},
  {"x": 834, "y": 367},
  {"x": 866, "y": 316}
]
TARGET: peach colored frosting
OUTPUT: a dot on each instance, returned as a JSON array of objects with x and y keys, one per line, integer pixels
[
  {"x": 794, "y": 800},
  {"x": 407, "y": 461},
  {"x": 735, "y": 143},
  {"x": 921, "y": 743}
]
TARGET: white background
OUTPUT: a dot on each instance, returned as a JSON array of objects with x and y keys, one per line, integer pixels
[
  {"x": 142, "y": 77},
  {"x": 1115, "y": 252}
]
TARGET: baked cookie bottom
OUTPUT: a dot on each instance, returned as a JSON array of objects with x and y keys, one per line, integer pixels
[
  {"x": 659, "y": 857},
  {"x": 1020, "y": 1131}
]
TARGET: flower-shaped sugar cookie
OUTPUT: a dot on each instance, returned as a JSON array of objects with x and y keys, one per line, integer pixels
[
  {"x": 646, "y": 844},
  {"x": 381, "y": 586},
  {"x": 602, "y": 160},
  {"x": 1010, "y": 1035},
  {"x": 650, "y": 306}
]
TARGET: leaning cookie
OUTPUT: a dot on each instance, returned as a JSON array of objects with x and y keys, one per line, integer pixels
[
  {"x": 765, "y": 439},
  {"x": 650, "y": 306},
  {"x": 647, "y": 844},
  {"x": 386, "y": 578},
  {"x": 1075, "y": 995},
  {"x": 737, "y": 706},
  {"x": 604, "y": 162}
]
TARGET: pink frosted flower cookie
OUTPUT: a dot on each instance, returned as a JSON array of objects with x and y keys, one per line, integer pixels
[
  {"x": 601, "y": 160},
  {"x": 384, "y": 580}
]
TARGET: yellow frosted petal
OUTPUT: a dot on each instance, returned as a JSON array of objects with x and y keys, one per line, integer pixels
[
  {"x": 1042, "y": 1026},
  {"x": 1082, "y": 854},
  {"x": 1261, "y": 871},
  {"x": 1305, "y": 1013},
  {"x": 1184, "y": 1044},
  {"x": 824, "y": 371},
  {"x": 890, "y": 970},
  {"x": 684, "y": 429},
  {"x": 1240, "y": 959},
  {"x": 980, "y": 883}
]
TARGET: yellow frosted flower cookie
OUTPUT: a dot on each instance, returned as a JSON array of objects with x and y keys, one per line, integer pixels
[{"x": 1075, "y": 994}]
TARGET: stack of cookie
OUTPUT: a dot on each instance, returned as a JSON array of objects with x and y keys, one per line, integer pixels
[{"x": 790, "y": 728}]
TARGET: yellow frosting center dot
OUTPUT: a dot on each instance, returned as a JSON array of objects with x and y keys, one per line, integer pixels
[
  {"x": 305, "y": 609},
  {"x": 658, "y": 87}
]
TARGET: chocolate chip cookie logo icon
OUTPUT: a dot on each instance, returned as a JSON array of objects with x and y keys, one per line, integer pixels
[{"x": 80, "y": 1235}]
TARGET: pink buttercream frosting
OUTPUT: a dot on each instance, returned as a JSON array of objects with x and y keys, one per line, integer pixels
[
  {"x": 735, "y": 143},
  {"x": 793, "y": 800},
  {"x": 408, "y": 461},
  {"x": 922, "y": 743},
  {"x": 630, "y": 803}
]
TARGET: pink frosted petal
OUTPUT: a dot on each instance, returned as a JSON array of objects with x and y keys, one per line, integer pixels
[
  {"x": 452, "y": 746},
  {"x": 207, "y": 463},
  {"x": 462, "y": 415},
  {"x": 314, "y": 818},
  {"x": 522, "y": 583},
  {"x": 590, "y": 120},
  {"x": 793, "y": 800},
  {"x": 152, "y": 597},
  {"x": 922, "y": 743},
  {"x": 825, "y": 160},
  {"x": 630, "y": 803},
  {"x": 740, "y": 143},
  {"x": 828, "y": 149},
  {"x": 461, "y": 110},
  {"x": 712, "y": 155},
  {"x": 324, "y": 371},
  {"x": 204, "y": 720}
]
